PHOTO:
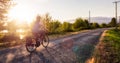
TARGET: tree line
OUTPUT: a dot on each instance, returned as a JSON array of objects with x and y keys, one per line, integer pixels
[{"x": 55, "y": 26}]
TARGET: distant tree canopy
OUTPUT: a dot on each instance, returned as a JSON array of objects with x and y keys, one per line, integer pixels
[
  {"x": 80, "y": 24},
  {"x": 87, "y": 25},
  {"x": 66, "y": 27},
  {"x": 113, "y": 22},
  {"x": 95, "y": 25},
  {"x": 54, "y": 27},
  {"x": 103, "y": 25}
]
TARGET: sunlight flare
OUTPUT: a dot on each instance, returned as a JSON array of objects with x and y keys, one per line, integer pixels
[
  {"x": 20, "y": 31},
  {"x": 21, "y": 36},
  {"x": 21, "y": 13}
]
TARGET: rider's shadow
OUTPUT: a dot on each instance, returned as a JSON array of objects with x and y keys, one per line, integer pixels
[
  {"x": 38, "y": 57},
  {"x": 34, "y": 57}
]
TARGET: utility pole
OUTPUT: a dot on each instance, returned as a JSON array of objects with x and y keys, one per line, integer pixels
[
  {"x": 116, "y": 2},
  {"x": 119, "y": 20},
  {"x": 89, "y": 18}
]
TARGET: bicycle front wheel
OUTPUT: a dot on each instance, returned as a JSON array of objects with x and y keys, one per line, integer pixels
[
  {"x": 30, "y": 48},
  {"x": 30, "y": 44}
]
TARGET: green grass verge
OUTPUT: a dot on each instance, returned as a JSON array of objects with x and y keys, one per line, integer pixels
[{"x": 108, "y": 50}]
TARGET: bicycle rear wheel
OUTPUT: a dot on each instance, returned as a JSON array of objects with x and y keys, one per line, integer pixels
[{"x": 45, "y": 41}]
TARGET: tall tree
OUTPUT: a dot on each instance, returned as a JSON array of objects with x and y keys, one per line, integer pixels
[
  {"x": 47, "y": 20},
  {"x": 4, "y": 6}
]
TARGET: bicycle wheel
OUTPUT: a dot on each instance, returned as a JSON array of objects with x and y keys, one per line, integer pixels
[
  {"x": 30, "y": 44},
  {"x": 45, "y": 41}
]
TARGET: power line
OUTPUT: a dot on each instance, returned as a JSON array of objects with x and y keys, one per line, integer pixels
[{"x": 89, "y": 18}]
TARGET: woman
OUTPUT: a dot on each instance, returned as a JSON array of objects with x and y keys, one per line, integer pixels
[{"x": 38, "y": 30}]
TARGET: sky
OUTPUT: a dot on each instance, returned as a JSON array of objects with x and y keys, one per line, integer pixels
[{"x": 62, "y": 9}]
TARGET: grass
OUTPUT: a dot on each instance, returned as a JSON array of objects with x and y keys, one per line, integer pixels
[{"x": 108, "y": 50}]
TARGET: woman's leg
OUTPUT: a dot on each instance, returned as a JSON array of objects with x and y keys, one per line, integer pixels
[
  {"x": 36, "y": 35},
  {"x": 42, "y": 34}
]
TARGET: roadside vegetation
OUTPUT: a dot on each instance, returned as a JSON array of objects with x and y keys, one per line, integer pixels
[{"x": 108, "y": 50}]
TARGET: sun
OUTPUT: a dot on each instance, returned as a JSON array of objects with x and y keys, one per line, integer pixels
[{"x": 21, "y": 13}]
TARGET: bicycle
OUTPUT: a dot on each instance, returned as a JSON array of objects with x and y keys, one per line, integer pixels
[{"x": 31, "y": 43}]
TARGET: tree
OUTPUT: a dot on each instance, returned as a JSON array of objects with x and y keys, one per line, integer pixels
[
  {"x": 66, "y": 27},
  {"x": 79, "y": 24},
  {"x": 113, "y": 22},
  {"x": 4, "y": 6},
  {"x": 103, "y": 25},
  {"x": 55, "y": 27},
  {"x": 47, "y": 20},
  {"x": 95, "y": 25},
  {"x": 86, "y": 24}
]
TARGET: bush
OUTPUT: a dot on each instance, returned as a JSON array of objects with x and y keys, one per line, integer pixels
[{"x": 66, "y": 27}]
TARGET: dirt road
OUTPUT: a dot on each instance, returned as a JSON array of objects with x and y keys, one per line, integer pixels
[{"x": 19, "y": 54}]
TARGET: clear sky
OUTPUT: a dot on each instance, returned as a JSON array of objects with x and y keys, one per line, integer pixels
[{"x": 63, "y": 9}]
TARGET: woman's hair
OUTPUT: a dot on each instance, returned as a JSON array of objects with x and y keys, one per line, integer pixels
[{"x": 38, "y": 18}]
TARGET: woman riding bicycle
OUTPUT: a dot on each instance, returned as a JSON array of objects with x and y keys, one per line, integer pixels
[{"x": 38, "y": 30}]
